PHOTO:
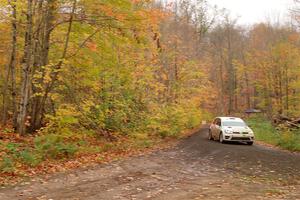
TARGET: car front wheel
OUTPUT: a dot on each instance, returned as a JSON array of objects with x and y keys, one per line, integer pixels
[
  {"x": 210, "y": 135},
  {"x": 221, "y": 138},
  {"x": 250, "y": 143}
]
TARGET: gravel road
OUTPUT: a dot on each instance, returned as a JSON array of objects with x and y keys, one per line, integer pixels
[{"x": 195, "y": 169}]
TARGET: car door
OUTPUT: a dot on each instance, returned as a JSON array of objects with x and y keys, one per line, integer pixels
[
  {"x": 213, "y": 127},
  {"x": 217, "y": 128}
]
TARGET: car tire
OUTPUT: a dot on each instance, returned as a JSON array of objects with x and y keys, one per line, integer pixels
[
  {"x": 250, "y": 143},
  {"x": 221, "y": 139},
  {"x": 210, "y": 137}
]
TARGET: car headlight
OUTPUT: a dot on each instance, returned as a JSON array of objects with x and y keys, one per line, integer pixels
[{"x": 228, "y": 131}]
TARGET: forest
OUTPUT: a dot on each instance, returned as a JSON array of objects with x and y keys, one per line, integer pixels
[{"x": 79, "y": 76}]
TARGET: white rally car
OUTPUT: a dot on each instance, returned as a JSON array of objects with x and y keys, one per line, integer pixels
[{"x": 230, "y": 129}]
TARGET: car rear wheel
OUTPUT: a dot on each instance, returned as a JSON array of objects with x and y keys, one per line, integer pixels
[
  {"x": 250, "y": 143},
  {"x": 210, "y": 135},
  {"x": 221, "y": 139}
]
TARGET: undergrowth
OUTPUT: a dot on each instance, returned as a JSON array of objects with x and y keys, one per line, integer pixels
[
  {"x": 66, "y": 138},
  {"x": 266, "y": 132}
]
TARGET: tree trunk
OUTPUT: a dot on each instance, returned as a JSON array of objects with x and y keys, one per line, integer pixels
[
  {"x": 5, "y": 97},
  {"x": 13, "y": 64},
  {"x": 222, "y": 83},
  {"x": 287, "y": 107},
  {"x": 26, "y": 74},
  {"x": 39, "y": 111},
  {"x": 248, "y": 94},
  {"x": 10, "y": 73},
  {"x": 45, "y": 31},
  {"x": 230, "y": 69},
  {"x": 248, "y": 98}
]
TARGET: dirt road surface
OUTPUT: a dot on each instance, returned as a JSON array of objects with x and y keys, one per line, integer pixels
[{"x": 195, "y": 169}]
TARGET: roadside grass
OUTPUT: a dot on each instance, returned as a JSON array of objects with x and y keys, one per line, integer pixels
[
  {"x": 266, "y": 132},
  {"x": 22, "y": 157}
]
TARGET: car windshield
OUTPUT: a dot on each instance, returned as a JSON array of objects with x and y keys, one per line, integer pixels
[{"x": 233, "y": 123}]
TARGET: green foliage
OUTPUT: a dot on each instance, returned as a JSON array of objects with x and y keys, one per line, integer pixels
[
  {"x": 45, "y": 147},
  {"x": 29, "y": 158},
  {"x": 8, "y": 131},
  {"x": 7, "y": 165},
  {"x": 264, "y": 131},
  {"x": 63, "y": 122},
  {"x": 144, "y": 143},
  {"x": 170, "y": 121},
  {"x": 107, "y": 147},
  {"x": 123, "y": 115},
  {"x": 14, "y": 154},
  {"x": 12, "y": 148},
  {"x": 9, "y": 152},
  {"x": 290, "y": 140},
  {"x": 90, "y": 149},
  {"x": 54, "y": 146}
]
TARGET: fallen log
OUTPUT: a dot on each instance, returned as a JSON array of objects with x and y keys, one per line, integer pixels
[
  {"x": 296, "y": 121},
  {"x": 284, "y": 118},
  {"x": 284, "y": 121},
  {"x": 293, "y": 124}
]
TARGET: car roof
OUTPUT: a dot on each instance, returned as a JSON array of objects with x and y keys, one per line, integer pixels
[{"x": 231, "y": 119}]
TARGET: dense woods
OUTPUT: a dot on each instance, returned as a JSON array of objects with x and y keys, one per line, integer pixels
[{"x": 108, "y": 67}]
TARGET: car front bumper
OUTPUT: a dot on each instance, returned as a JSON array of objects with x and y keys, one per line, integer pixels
[{"x": 238, "y": 138}]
